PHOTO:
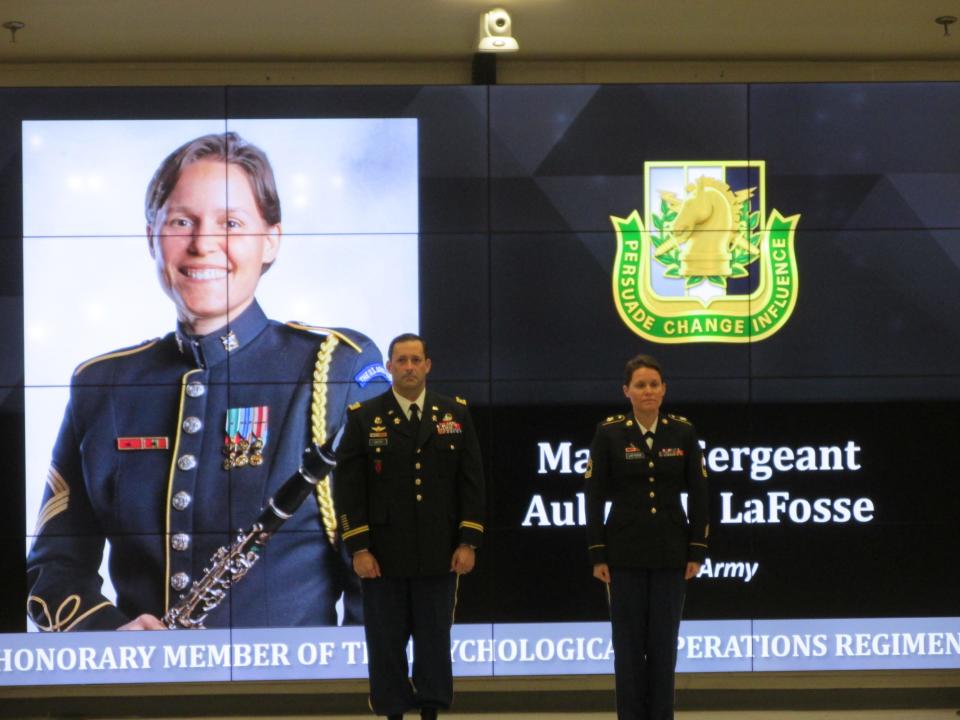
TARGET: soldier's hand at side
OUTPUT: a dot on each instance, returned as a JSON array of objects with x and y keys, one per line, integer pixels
[
  {"x": 365, "y": 565},
  {"x": 463, "y": 560},
  {"x": 693, "y": 568},
  {"x": 601, "y": 571},
  {"x": 144, "y": 622}
]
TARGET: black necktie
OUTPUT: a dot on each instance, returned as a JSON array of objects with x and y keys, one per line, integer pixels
[{"x": 415, "y": 414}]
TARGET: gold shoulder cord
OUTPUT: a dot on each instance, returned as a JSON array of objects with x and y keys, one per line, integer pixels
[{"x": 318, "y": 431}]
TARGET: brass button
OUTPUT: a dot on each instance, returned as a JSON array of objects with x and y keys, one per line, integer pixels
[
  {"x": 452, "y": 446},
  {"x": 419, "y": 497},
  {"x": 651, "y": 463},
  {"x": 417, "y": 481},
  {"x": 416, "y": 466},
  {"x": 418, "y": 451},
  {"x": 652, "y": 480},
  {"x": 652, "y": 494},
  {"x": 653, "y": 511}
]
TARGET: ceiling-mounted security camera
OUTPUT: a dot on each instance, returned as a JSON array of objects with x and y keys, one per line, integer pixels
[{"x": 495, "y": 32}]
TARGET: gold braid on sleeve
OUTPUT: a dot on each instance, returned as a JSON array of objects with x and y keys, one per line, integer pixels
[{"x": 318, "y": 432}]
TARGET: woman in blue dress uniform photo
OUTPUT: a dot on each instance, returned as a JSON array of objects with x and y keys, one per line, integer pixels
[{"x": 169, "y": 447}]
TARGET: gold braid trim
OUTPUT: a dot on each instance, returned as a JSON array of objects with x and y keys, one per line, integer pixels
[
  {"x": 66, "y": 615},
  {"x": 318, "y": 431}
]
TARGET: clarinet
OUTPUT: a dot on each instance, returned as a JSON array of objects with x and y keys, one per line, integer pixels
[{"x": 230, "y": 564}]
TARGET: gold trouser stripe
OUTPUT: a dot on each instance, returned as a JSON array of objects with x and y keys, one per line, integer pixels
[{"x": 456, "y": 597}]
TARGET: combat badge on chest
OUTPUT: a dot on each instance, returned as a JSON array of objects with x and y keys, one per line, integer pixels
[
  {"x": 378, "y": 433},
  {"x": 245, "y": 436}
]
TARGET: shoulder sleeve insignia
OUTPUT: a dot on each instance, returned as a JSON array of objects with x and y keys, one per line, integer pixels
[
  {"x": 460, "y": 400},
  {"x": 614, "y": 419},
  {"x": 324, "y": 331},
  {"x": 589, "y": 473},
  {"x": 679, "y": 418},
  {"x": 355, "y": 406},
  {"x": 369, "y": 373},
  {"x": 145, "y": 345}
]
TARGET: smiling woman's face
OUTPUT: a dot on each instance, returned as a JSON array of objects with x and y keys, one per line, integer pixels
[{"x": 210, "y": 244}]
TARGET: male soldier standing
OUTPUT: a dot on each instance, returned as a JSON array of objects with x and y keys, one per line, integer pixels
[{"x": 410, "y": 493}]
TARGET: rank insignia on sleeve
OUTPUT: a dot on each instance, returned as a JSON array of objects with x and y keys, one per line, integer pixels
[
  {"x": 143, "y": 443},
  {"x": 245, "y": 436},
  {"x": 589, "y": 473}
]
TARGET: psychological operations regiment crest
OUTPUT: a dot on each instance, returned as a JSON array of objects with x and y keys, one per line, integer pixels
[{"x": 702, "y": 265}]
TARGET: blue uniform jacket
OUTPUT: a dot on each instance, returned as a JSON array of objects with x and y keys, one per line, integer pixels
[{"x": 143, "y": 459}]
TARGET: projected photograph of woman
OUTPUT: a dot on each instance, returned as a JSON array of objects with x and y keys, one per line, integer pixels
[{"x": 168, "y": 447}]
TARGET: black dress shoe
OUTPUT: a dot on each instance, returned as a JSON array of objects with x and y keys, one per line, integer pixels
[
  {"x": 428, "y": 714},
  {"x": 398, "y": 716}
]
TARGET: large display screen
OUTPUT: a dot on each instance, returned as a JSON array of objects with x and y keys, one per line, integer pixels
[{"x": 789, "y": 253}]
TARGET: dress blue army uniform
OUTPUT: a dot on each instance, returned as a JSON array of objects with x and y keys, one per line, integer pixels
[
  {"x": 647, "y": 540},
  {"x": 168, "y": 448},
  {"x": 410, "y": 494}
]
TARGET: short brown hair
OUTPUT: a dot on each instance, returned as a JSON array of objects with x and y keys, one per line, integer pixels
[
  {"x": 407, "y": 337},
  {"x": 640, "y": 361},
  {"x": 228, "y": 147}
]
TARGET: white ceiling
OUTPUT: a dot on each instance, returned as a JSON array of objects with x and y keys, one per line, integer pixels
[{"x": 308, "y": 30}]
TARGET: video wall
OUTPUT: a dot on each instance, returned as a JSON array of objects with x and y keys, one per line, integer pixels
[{"x": 177, "y": 333}]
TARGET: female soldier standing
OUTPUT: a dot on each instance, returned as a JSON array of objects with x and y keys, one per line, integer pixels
[{"x": 648, "y": 547}]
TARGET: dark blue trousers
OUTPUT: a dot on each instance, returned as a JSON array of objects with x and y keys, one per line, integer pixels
[
  {"x": 396, "y": 609},
  {"x": 645, "y": 609}
]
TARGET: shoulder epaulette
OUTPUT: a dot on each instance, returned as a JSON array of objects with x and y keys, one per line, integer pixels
[
  {"x": 460, "y": 400},
  {"x": 355, "y": 406},
  {"x": 614, "y": 419},
  {"x": 145, "y": 345},
  {"x": 679, "y": 418},
  {"x": 324, "y": 331}
]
